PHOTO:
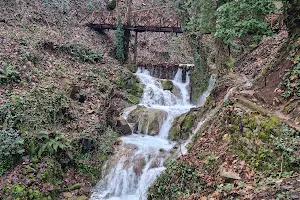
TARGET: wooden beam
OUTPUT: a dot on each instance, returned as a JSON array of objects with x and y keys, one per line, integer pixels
[{"x": 137, "y": 28}]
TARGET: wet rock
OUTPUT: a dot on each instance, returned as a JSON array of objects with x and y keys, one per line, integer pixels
[
  {"x": 176, "y": 91},
  {"x": 139, "y": 164},
  {"x": 167, "y": 84},
  {"x": 147, "y": 120},
  {"x": 123, "y": 126}
]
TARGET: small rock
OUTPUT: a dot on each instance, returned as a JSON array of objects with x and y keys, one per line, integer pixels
[
  {"x": 229, "y": 174},
  {"x": 67, "y": 195},
  {"x": 249, "y": 93}
]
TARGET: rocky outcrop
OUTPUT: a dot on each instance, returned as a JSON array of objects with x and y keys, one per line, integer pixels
[{"x": 147, "y": 120}]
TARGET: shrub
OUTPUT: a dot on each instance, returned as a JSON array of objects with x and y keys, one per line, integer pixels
[
  {"x": 11, "y": 148},
  {"x": 178, "y": 180},
  {"x": 81, "y": 53},
  {"x": 9, "y": 74},
  {"x": 120, "y": 41},
  {"x": 291, "y": 80},
  {"x": 41, "y": 109},
  {"x": 53, "y": 144}
]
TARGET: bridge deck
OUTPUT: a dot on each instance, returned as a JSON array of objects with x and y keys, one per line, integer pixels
[{"x": 137, "y": 28}]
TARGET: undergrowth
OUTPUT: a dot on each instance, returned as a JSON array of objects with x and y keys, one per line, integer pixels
[{"x": 180, "y": 179}]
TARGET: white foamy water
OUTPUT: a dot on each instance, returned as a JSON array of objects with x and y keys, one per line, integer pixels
[{"x": 138, "y": 161}]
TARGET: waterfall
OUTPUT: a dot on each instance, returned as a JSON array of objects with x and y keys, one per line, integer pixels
[{"x": 139, "y": 159}]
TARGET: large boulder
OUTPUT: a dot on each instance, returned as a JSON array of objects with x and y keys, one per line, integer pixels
[{"x": 147, "y": 120}]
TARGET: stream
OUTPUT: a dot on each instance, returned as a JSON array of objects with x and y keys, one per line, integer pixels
[{"x": 139, "y": 159}]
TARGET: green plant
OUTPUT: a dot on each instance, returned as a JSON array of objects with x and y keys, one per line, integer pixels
[
  {"x": 9, "y": 74},
  {"x": 120, "y": 41},
  {"x": 179, "y": 179},
  {"x": 53, "y": 144},
  {"x": 81, "y": 53},
  {"x": 41, "y": 109},
  {"x": 11, "y": 149},
  {"x": 291, "y": 80},
  {"x": 20, "y": 192},
  {"x": 239, "y": 18}
]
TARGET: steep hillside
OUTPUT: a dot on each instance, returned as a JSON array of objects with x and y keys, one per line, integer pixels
[{"x": 248, "y": 143}]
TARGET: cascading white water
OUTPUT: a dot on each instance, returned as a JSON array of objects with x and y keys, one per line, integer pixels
[{"x": 139, "y": 159}]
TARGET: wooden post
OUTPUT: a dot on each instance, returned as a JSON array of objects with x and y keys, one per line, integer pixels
[{"x": 135, "y": 47}]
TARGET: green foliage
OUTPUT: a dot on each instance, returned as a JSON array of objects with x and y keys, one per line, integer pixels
[
  {"x": 81, "y": 53},
  {"x": 100, "y": 146},
  {"x": 20, "y": 192},
  {"x": 9, "y": 74},
  {"x": 11, "y": 149},
  {"x": 291, "y": 80},
  {"x": 111, "y": 4},
  {"x": 120, "y": 41},
  {"x": 53, "y": 144},
  {"x": 178, "y": 180},
  {"x": 198, "y": 15},
  {"x": 29, "y": 57},
  {"x": 266, "y": 144},
  {"x": 41, "y": 109},
  {"x": 239, "y": 18}
]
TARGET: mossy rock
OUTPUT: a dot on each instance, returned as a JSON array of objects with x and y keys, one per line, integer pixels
[
  {"x": 147, "y": 120},
  {"x": 111, "y": 4},
  {"x": 132, "y": 67},
  {"x": 129, "y": 82},
  {"x": 167, "y": 84},
  {"x": 182, "y": 126},
  {"x": 133, "y": 99}
]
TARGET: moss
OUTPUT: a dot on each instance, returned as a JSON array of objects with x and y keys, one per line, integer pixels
[
  {"x": 255, "y": 145},
  {"x": 182, "y": 127},
  {"x": 131, "y": 84},
  {"x": 167, "y": 84},
  {"x": 75, "y": 187},
  {"x": 133, "y": 99},
  {"x": 132, "y": 67}
]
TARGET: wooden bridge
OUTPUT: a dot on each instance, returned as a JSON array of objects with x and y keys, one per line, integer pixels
[
  {"x": 159, "y": 19},
  {"x": 145, "y": 20}
]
